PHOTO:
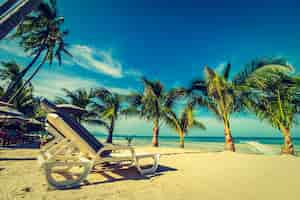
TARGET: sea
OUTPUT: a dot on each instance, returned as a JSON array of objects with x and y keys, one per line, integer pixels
[{"x": 252, "y": 145}]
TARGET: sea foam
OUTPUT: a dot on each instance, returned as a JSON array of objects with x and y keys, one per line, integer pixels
[{"x": 262, "y": 148}]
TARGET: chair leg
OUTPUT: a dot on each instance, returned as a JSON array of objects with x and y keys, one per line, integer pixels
[
  {"x": 69, "y": 183},
  {"x": 150, "y": 170}
]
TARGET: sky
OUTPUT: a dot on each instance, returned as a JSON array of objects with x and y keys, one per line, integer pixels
[{"x": 114, "y": 43}]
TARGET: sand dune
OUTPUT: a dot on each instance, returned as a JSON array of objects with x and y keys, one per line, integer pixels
[{"x": 184, "y": 174}]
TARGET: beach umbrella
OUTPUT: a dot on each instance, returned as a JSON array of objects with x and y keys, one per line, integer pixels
[
  {"x": 71, "y": 109},
  {"x": 11, "y": 122},
  {"x": 2, "y": 103},
  {"x": 32, "y": 125},
  {"x": 18, "y": 122},
  {"x": 9, "y": 111}
]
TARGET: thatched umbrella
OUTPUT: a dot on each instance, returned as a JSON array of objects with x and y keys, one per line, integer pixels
[
  {"x": 18, "y": 122},
  {"x": 2, "y": 103},
  {"x": 7, "y": 109}
]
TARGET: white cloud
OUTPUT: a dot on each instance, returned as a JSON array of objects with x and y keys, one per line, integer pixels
[
  {"x": 133, "y": 72},
  {"x": 99, "y": 61},
  {"x": 12, "y": 47},
  {"x": 89, "y": 58}
]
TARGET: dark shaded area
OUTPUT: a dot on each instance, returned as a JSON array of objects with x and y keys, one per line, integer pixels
[
  {"x": 128, "y": 174},
  {"x": 33, "y": 145},
  {"x": 16, "y": 159}
]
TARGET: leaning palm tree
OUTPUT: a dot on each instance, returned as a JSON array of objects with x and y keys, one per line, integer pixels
[
  {"x": 38, "y": 33},
  {"x": 107, "y": 106},
  {"x": 276, "y": 99},
  {"x": 25, "y": 102},
  {"x": 80, "y": 98},
  {"x": 152, "y": 104},
  {"x": 223, "y": 96},
  {"x": 183, "y": 123}
]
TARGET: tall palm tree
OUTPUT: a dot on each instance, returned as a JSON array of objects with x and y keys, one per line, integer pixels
[
  {"x": 223, "y": 96},
  {"x": 107, "y": 106},
  {"x": 40, "y": 34},
  {"x": 276, "y": 100},
  {"x": 152, "y": 104},
  {"x": 182, "y": 123},
  {"x": 80, "y": 98}
]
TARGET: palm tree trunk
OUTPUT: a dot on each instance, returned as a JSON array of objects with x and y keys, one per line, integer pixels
[
  {"x": 109, "y": 138},
  {"x": 155, "y": 133},
  {"x": 29, "y": 79},
  {"x": 16, "y": 15},
  {"x": 229, "y": 144},
  {"x": 288, "y": 147},
  {"x": 6, "y": 6},
  {"x": 14, "y": 83},
  {"x": 181, "y": 139}
]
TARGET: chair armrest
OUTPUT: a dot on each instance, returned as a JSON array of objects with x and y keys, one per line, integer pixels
[{"x": 113, "y": 147}]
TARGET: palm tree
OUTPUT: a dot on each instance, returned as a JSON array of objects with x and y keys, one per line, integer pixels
[
  {"x": 152, "y": 104},
  {"x": 38, "y": 33},
  {"x": 276, "y": 100},
  {"x": 9, "y": 71},
  {"x": 107, "y": 106},
  {"x": 80, "y": 98},
  {"x": 183, "y": 123},
  {"x": 223, "y": 96},
  {"x": 25, "y": 102}
]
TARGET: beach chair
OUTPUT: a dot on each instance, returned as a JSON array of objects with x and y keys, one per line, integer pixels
[{"x": 68, "y": 160}]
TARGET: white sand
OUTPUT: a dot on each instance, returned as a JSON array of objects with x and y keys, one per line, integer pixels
[{"x": 184, "y": 174}]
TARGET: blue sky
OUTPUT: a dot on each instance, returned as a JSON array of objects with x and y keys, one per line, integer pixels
[{"x": 114, "y": 43}]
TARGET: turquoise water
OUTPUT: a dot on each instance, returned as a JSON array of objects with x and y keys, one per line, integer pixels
[{"x": 259, "y": 145}]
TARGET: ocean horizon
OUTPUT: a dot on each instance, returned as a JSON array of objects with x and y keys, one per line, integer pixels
[{"x": 257, "y": 145}]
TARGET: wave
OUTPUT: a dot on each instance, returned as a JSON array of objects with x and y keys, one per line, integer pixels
[{"x": 262, "y": 148}]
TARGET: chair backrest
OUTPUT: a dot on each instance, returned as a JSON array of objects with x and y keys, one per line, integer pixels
[{"x": 71, "y": 129}]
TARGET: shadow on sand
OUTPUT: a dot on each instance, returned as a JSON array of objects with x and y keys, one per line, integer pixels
[
  {"x": 18, "y": 159},
  {"x": 126, "y": 174}
]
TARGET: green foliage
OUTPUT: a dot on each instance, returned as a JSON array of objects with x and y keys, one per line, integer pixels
[
  {"x": 152, "y": 104},
  {"x": 223, "y": 96},
  {"x": 276, "y": 100},
  {"x": 42, "y": 31},
  {"x": 182, "y": 123},
  {"x": 25, "y": 102},
  {"x": 80, "y": 98},
  {"x": 107, "y": 107}
]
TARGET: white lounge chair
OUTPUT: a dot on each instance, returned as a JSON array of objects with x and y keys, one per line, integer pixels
[{"x": 76, "y": 152}]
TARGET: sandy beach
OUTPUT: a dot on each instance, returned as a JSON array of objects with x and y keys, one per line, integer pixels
[{"x": 183, "y": 174}]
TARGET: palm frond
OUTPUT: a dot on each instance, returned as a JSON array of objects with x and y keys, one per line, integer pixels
[
  {"x": 173, "y": 95},
  {"x": 131, "y": 111},
  {"x": 199, "y": 125},
  {"x": 262, "y": 66},
  {"x": 226, "y": 71}
]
